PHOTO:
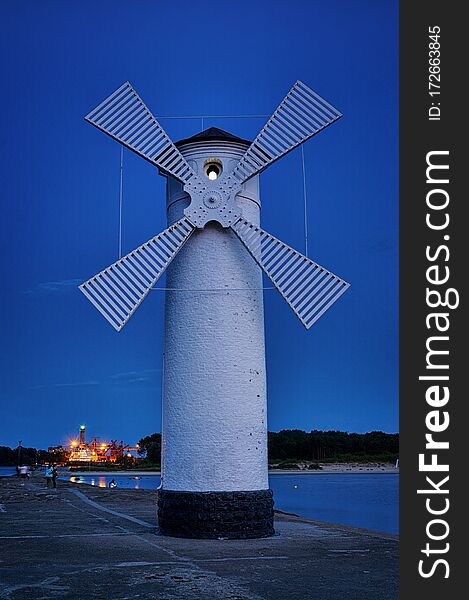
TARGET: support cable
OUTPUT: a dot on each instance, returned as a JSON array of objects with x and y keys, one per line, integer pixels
[
  {"x": 305, "y": 199},
  {"x": 165, "y": 289},
  {"x": 202, "y": 117},
  {"x": 120, "y": 200},
  {"x": 213, "y": 117}
]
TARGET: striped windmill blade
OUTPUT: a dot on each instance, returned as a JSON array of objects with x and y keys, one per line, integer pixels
[
  {"x": 118, "y": 290},
  {"x": 126, "y": 118},
  {"x": 308, "y": 288},
  {"x": 300, "y": 115}
]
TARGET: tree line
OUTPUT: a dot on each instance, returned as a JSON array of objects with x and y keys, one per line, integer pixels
[
  {"x": 294, "y": 444},
  {"x": 21, "y": 455},
  {"x": 285, "y": 445},
  {"x": 298, "y": 445}
]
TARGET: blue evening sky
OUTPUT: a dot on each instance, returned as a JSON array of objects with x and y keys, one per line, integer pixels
[{"x": 62, "y": 364}]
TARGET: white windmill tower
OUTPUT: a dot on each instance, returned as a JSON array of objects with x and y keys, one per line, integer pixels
[{"x": 214, "y": 454}]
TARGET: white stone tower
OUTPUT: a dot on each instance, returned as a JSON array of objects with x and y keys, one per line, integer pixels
[
  {"x": 214, "y": 399},
  {"x": 214, "y": 455}
]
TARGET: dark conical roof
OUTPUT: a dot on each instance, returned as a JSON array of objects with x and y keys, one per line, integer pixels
[{"x": 213, "y": 134}]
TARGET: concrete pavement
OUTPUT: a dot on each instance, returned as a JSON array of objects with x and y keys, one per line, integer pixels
[{"x": 85, "y": 543}]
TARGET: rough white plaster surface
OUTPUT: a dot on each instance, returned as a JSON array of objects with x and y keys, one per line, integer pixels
[{"x": 214, "y": 398}]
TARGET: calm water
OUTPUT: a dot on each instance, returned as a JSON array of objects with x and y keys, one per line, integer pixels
[
  {"x": 369, "y": 500},
  {"x": 7, "y": 471}
]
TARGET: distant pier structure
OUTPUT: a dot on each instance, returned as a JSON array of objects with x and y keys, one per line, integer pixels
[{"x": 78, "y": 450}]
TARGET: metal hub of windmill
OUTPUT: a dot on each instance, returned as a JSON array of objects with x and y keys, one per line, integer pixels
[{"x": 307, "y": 287}]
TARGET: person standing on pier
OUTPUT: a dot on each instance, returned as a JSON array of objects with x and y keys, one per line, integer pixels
[
  {"x": 54, "y": 476},
  {"x": 48, "y": 475}
]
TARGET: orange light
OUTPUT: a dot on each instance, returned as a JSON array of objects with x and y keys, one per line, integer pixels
[
  {"x": 129, "y": 455},
  {"x": 73, "y": 444}
]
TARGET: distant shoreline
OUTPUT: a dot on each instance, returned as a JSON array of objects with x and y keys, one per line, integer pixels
[{"x": 330, "y": 469}]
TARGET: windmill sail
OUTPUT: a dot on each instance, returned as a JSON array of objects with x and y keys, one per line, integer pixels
[
  {"x": 125, "y": 117},
  {"x": 300, "y": 115},
  {"x": 308, "y": 288},
  {"x": 118, "y": 290}
]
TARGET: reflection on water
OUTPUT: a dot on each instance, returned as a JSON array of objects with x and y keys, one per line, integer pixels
[
  {"x": 145, "y": 482},
  {"x": 368, "y": 500},
  {"x": 101, "y": 481}
]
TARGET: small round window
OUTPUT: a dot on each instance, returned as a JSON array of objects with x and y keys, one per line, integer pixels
[{"x": 213, "y": 168}]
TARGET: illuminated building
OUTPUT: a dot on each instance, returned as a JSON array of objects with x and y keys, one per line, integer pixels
[{"x": 78, "y": 450}]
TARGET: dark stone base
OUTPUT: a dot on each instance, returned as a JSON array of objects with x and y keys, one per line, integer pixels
[{"x": 234, "y": 515}]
